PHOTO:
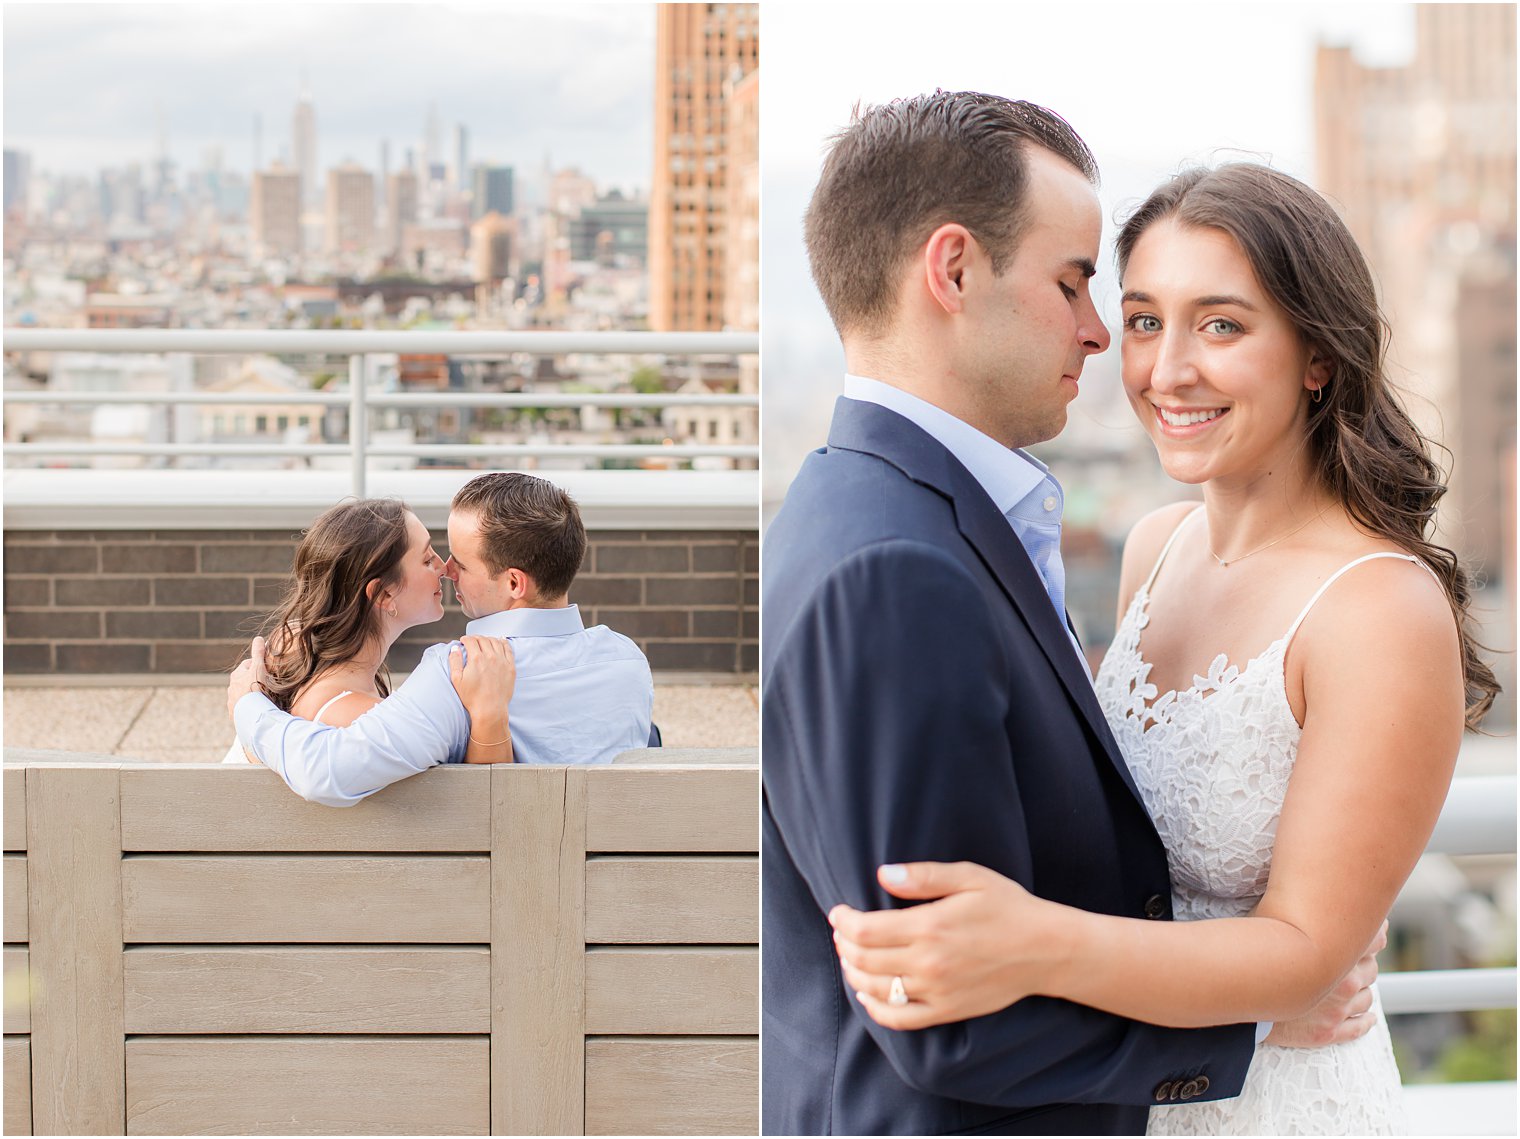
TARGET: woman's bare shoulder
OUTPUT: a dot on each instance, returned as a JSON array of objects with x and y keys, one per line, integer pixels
[
  {"x": 1145, "y": 541},
  {"x": 346, "y": 707}
]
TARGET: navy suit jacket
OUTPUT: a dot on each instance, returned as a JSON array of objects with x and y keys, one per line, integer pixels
[{"x": 922, "y": 700}]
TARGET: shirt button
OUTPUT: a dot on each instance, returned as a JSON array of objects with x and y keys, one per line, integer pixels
[{"x": 1050, "y": 502}]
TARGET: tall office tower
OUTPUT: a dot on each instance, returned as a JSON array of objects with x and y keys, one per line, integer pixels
[
  {"x": 492, "y": 191},
  {"x": 432, "y": 140},
  {"x": 303, "y": 145},
  {"x": 16, "y": 174},
  {"x": 1421, "y": 161},
  {"x": 741, "y": 289},
  {"x": 350, "y": 209},
  {"x": 383, "y": 182},
  {"x": 400, "y": 207},
  {"x": 459, "y": 172},
  {"x": 702, "y": 52},
  {"x": 275, "y": 211}
]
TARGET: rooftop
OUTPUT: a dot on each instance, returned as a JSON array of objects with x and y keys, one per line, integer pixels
[{"x": 166, "y": 719}]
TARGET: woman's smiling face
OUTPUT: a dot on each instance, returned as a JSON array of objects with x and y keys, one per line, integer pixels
[{"x": 1217, "y": 373}]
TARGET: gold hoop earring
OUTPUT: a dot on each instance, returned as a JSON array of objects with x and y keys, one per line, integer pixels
[{"x": 1319, "y": 394}]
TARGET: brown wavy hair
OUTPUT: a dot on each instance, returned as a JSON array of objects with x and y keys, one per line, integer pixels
[
  {"x": 328, "y": 614},
  {"x": 1365, "y": 448}
]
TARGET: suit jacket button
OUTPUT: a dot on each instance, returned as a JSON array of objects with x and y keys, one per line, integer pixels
[
  {"x": 1155, "y": 906},
  {"x": 1162, "y": 1089}
]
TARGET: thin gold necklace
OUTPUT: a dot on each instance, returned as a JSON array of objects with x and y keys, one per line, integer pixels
[{"x": 1280, "y": 538}]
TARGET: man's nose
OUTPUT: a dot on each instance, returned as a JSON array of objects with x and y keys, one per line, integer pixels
[
  {"x": 1093, "y": 333},
  {"x": 450, "y": 570}
]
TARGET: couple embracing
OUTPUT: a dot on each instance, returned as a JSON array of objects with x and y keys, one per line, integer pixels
[{"x": 1161, "y": 888}]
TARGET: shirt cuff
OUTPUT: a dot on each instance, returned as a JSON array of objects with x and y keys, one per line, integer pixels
[{"x": 1263, "y": 1030}]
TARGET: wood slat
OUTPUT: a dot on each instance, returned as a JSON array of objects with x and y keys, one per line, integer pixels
[
  {"x": 678, "y": 990},
  {"x": 673, "y": 1087},
  {"x": 673, "y": 899},
  {"x": 308, "y": 990},
  {"x": 14, "y": 808},
  {"x": 537, "y": 951},
  {"x": 715, "y": 809},
  {"x": 18, "y": 990},
  {"x": 388, "y": 898},
  {"x": 18, "y": 1085},
  {"x": 15, "y": 897},
  {"x": 410, "y": 1085},
  {"x": 234, "y": 808},
  {"x": 74, "y": 918}
]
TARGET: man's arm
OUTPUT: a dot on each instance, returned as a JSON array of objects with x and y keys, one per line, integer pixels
[
  {"x": 418, "y": 726},
  {"x": 887, "y": 735}
]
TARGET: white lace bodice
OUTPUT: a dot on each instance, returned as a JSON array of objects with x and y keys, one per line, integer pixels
[{"x": 1212, "y": 763}]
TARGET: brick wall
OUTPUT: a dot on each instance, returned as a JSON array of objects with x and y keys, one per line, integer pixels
[{"x": 178, "y": 601}]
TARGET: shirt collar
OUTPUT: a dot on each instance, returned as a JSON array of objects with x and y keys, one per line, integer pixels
[
  {"x": 1008, "y": 475},
  {"x": 528, "y": 623}
]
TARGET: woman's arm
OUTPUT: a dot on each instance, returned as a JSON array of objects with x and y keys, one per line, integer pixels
[
  {"x": 484, "y": 675},
  {"x": 1384, "y": 699}
]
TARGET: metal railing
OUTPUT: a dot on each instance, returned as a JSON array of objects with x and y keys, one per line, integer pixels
[
  {"x": 356, "y": 346},
  {"x": 1478, "y": 818}
]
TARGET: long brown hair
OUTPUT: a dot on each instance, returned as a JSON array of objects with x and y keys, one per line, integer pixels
[
  {"x": 1366, "y": 450},
  {"x": 328, "y": 613}
]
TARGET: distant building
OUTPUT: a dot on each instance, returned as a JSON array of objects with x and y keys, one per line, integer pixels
[
  {"x": 493, "y": 241},
  {"x": 303, "y": 144},
  {"x": 276, "y": 212},
  {"x": 461, "y": 165},
  {"x": 16, "y": 174},
  {"x": 400, "y": 207},
  {"x": 492, "y": 191},
  {"x": 611, "y": 229},
  {"x": 112, "y": 310},
  {"x": 1421, "y": 161},
  {"x": 702, "y": 52},
  {"x": 350, "y": 209}
]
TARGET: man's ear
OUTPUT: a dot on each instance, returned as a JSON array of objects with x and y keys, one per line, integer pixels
[
  {"x": 945, "y": 257},
  {"x": 519, "y": 584}
]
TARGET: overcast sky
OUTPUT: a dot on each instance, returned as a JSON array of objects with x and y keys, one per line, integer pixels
[
  {"x": 85, "y": 83},
  {"x": 1151, "y": 88}
]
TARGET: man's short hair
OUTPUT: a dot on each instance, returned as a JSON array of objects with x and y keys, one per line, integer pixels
[
  {"x": 900, "y": 171},
  {"x": 529, "y": 524}
]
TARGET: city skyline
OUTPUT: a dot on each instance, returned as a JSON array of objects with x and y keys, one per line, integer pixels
[{"x": 92, "y": 87}]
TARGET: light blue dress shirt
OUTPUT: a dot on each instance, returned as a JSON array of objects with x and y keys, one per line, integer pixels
[
  {"x": 1022, "y": 487},
  {"x": 582, "y": 696}
]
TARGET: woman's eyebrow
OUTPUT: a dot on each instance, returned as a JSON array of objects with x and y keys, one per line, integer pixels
[{"x": 1134, "y": 296}]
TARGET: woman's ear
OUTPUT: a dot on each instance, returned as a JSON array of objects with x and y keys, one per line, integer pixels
[
  {"x": 1320, "y": 372},
  {"x": 380, "y": 597}
]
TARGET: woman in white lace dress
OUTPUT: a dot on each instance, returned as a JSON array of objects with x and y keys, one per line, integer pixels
[
  {"x": 1289, "y": 679},
  {"x": 364, "y": 573}
]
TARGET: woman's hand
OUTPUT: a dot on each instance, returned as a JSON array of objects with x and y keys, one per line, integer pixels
[
  {"x": 985, "y": 944},
  {"x": 485, "y": 682},
  {"x": 246, "y": 677}
]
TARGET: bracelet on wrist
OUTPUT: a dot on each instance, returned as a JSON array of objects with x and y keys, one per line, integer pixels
[{"x": 498, "y": 743}]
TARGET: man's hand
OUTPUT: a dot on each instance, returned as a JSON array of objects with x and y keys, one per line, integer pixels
[
  {"x": 248, "y": 676},
  {"x": 1344, "y": 1013}
]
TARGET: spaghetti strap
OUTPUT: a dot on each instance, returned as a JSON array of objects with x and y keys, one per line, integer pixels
[
  {"x": 317, "y": 719},
  {"x": 1318, "y": 593},
  {"x": 1166, "y": 549}
]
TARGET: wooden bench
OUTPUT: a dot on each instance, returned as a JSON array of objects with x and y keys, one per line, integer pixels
[{"x": 192, "y": 949}]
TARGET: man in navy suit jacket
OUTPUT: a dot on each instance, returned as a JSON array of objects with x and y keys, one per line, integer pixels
[{"x": 924, "y": 696}]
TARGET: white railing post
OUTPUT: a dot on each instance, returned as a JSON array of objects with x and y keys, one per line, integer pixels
[{"x": 358, "y": 421}]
